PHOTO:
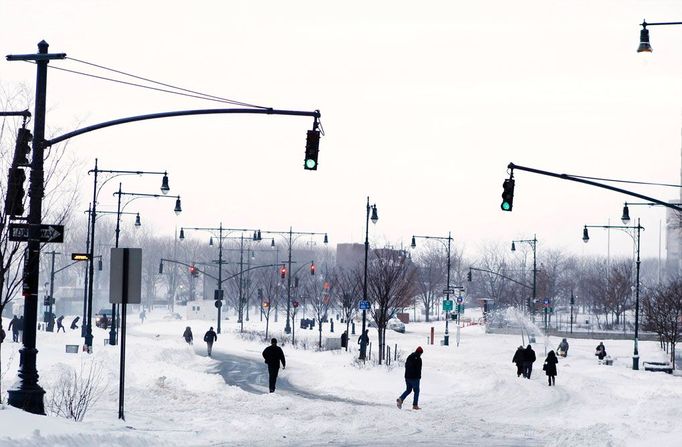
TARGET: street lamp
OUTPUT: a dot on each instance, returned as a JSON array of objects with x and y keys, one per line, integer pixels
[
  {"x": 448, "y": 290},
  {"x": 636, "y": 239},
  {"x": 533, "y": 243},
  {"x": 291, "y": 240},
  {"x": 644, "y": 44},
  {"x": 374, "y": 219}
]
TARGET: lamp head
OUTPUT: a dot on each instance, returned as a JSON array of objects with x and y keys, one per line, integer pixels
[
  {"x": 178, "y": 206},
  {"x": 644, "y": 45},
  {"x": 182, "y": 234},
  {"x": 164, "y": 184},
  {"x": 326, "y": 239},
  {"x": 272, "y": 244},
  {"x": 137, "y": 220},
  {"x": 99, "y": 264},
  {"x": 160, "y": 267},
  {"x": 210, "y": 241},
  {"x": 625, "y": 218},
  {"x": 513, "y": 246},
  {"x": 375, "y": 215},
  {"x": 586, "y": 236},
  {"x": 414, "y": 243}
]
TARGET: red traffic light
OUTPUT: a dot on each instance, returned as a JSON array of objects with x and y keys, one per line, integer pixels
[
  {"x": 283, "y": 272},
  {"x": 312, "y": 268}
]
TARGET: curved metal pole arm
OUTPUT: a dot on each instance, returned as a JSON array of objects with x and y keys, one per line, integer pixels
[
  {"x": 249, "y": 269},
  {"x": 188, "y": 265},
  {"x": 503, "y": 276}
]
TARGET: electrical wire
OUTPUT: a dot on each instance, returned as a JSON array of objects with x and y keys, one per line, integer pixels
[
  {"x": 239, "y": 103},
  {"x": 625, "y": 181}
]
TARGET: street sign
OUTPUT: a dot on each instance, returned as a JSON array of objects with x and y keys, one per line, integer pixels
[
  {"x": 460, "y": 300},
  {"x": 546, "y": 301},
  {"x": 447, "y": 305},
  {"x": 448, "y": 291},
  {"x": 80, "y": 256},
  {"x": 48, "y": 233},
  {"x": 218, "y": 294},
  {"x": 364, "y": 305},
  {"x": 125, "y": 263},
  {"x": 460, "y": 308}
]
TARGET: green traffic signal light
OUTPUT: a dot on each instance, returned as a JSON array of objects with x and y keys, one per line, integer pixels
[
  {"x": 506, "y": 206},
  {"x": 507, "y": 194},
  {"x": 310, "y": 164}
]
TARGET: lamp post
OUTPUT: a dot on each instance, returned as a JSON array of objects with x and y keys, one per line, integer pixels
[
  {"x": 533, "y": 243},
  {"x": 374, "y": 219},
  {"x": 636, "y": 239},
  {"x": 93, "y": 218},
  {"x": 119, "y": 211},
  {"x": 291, "y": 240},
  {"x": 644, "y": 44},
  {"x": 219, "y": 294},
  {"x": 448, "y": 290}
]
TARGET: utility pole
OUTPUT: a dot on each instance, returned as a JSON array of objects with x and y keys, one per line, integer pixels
[{"x": 48, "y": 316}]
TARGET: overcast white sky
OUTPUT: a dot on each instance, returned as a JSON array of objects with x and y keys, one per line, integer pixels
[{"x": 424, "y": 105}]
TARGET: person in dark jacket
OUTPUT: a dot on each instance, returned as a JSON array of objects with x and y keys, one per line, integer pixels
[
  {"x": 273, "y": 355},
  {"x": 601, "y": 351},
  {"x": 14, "y": 326},
  {"x": 60, "y": 323},
  {"x": 74, "y": 323},
  {"x": 2, "y": 333},
  {"x": 562, "y": 350},
  {"x": 518, "y": 359},
  {"x": 528, "y": 360},
  {"x": 550, "y": 367},
  {"x": 363, "y": 341},
  {"x": 209, "y": 338},
  {"x": 344, "y": 339},
  {"x": 413, "y": 375},
  {"x": 105, "y": 322},
  {"x": 20, "y": 325},
  {"x": 187, "y": 335}
]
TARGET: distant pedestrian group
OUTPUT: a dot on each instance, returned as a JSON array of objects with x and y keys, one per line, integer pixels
[{"x": 525, "y": 357}]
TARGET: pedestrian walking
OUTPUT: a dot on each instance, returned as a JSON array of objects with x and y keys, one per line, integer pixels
[
  {"x": 143, "y": 315},
  {"x": 14, "y": 326},
  {"x": 344, "y": 339},
  {"x": 187, "y": 335},
  {"x": 413, "y": 375},
  {"x": 363, "y": 341},
  {"x": 528, "y": 360},
  {"x": 209, "y": 338},
  {"x": 2, "y": 333},
  {"x": 20, "y": 325},
  {"x": 74, "y": 323},
  {"x": 60, "y": 323},
  {"x": 273, "y": 355},
  {"x": 105, "y": 322},
  {"x": 550, "y": 368},
  {"x": 518, "y": 359},
  {"x": 601, "y": 351},
  {"x": 562, "y": 350}
]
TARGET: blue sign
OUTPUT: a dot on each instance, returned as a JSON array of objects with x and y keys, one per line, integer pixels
[
  {"x": 460, "y": 300},
  {"x": 546, "y": 301},
  {"x": 364, "y": 305}
]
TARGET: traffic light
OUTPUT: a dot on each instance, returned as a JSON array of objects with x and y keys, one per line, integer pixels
[
  {"x": 193, "y": 271},
  {"x": 312, "y": 147},
  {"x": 14, "y": 201},
  {"x": 507, "y": 194},
  {"x": 283, "y": 272},
  {"x": 469, "y": 276},
  {"x": 312, "y": 268},
  {"x": 22, "y": 148}
]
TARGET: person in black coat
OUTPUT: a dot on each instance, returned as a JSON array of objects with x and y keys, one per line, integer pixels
[
  {"x": 363, "y": 341},
  {"x": 273, "y": 355},
  {"x": 344, "y": 339},
  {"x": 528, "y": 360},
  {"x": 74, "y": 323},
  {"x": 601, "y": 351},
  {"x": 563, "y": 348},
  {"x": 550, "y": 367},
  {"x": 518, "y": 359},
  {"x": 187, "y": 335},
  {"x": 209, "y": 337},
  {"x": 20, "y": 326},
  {"x": 14, "y": 326},
  {"x": 60, "y": 324},
  {"x": 413, "y": 375},
  {"x": 2, "y": 333}
]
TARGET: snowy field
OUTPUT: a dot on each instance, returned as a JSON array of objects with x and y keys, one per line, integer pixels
[{"x": 470, "y": 394}]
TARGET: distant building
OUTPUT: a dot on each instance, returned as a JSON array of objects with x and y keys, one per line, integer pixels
[{"x": 349, "y": 255}]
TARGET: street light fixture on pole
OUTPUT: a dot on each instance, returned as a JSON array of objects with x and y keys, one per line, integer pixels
[
  {"x": 533, "y": 243},
  {"x": 291, "y": 240},
  {"x": 448, "y": 287},
  {"x": 636, "y": 239},
  {"x": 644, "y": 44},
  {"x": 374, "y": 219}
]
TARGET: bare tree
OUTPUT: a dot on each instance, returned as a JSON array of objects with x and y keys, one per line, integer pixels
[
  {"x": 268, "y": 292},
  {"x": 76, "y": 391},
  {"x": 430, "y": 277},
  {"x": 347, "y": 292},
  {"x": 390, "y": 287},
  {"x": 662, "y": 312}
]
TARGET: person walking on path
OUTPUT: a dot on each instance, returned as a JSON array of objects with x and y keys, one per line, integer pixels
[
  {"x": 528, "y": 360},
  {"x": 273, "y": 355},
  {"x": 363, "y": 341},
  {"x": 187, "y": 335},
  {"x": 60, "y": 323},
  {"x": 2, "y": 333},
  {"x": 143, "y": 315},
  {"x": 209, "y": 338},
  {"x": 518, "y": 359},
  {"x": 550, "y": 368},
  {"x": 74, "y": 323},
  {"x": 413, "y": 374},
  {"x": 601, "y": 351},
  {"x": 14, "y": 326},
  {"x": 344, "y": 339},
  {"x": 20, "y": 326},
  {"x": 105, "y": 322},
  {"x": 562, "y": 350}
]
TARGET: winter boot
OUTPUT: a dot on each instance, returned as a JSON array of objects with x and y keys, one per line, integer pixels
[
  {"x": 399, "y": 402},
  {"x": 416, "y": 407}
]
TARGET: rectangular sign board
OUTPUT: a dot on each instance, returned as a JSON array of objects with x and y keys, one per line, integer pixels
[
  {"x": 125, "y": 263},
  {"x": 48, "y": 233},
  {"x": 364, "y": 305},
  {"x": 447, "y": 305}
]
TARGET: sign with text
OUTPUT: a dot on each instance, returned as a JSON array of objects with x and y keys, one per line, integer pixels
[
  {"x": 447, "y": 305},
  {"x": 125, "y": 277},
  {"x": 364, "y": 305},
  {"x": 48, "y": 233}
]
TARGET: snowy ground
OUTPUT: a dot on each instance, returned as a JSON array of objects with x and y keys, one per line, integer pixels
[{"x": 470, "y": 394}]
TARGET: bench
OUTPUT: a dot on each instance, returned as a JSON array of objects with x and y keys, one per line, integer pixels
[{"x": 665, "y": 367}]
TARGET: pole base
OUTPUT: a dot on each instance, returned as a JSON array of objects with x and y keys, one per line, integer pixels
[
  {"x": 635, "y": 363},
  {"x": 446, "y": 340},
  {"x": 28, "y": 400}
]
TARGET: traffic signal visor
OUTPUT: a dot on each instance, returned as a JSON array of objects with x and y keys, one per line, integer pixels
[{"x": 507, "y": 194}]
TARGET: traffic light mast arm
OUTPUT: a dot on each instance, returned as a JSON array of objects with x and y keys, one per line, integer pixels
[
  {"x": 251, "y": 268},
  {"x": 512, "y": 166},
  {"x": 188, "y": 265},
  {"x": 131, "y": 119},
  {"x": 503, "y": 276},
  {"x": 73, "y": 263}
]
